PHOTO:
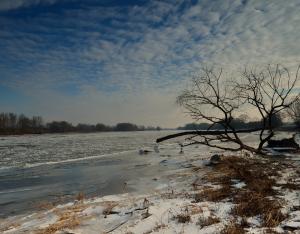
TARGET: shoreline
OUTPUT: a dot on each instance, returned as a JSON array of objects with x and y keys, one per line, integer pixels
[
  {"x": 196, "y": 199},
  {"x": 80, "y": 132}
]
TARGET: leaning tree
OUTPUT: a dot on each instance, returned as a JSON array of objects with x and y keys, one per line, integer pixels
[{"x": 216, "y": 100}]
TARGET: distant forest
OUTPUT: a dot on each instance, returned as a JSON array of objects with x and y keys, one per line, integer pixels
[
  {"x": 238, "y": 123},
  {"x": 11, "y": 123}
]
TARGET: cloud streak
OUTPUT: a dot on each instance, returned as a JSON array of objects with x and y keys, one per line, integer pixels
[{"x": 15, "y": 4}]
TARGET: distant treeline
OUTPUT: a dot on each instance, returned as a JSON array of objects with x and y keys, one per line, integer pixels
[
  {"x": 11, "y": 123},
  {"x": 237, "y": 123}
]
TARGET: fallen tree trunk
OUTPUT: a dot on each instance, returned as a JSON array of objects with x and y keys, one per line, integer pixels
[{"x": 204, "y": 132}]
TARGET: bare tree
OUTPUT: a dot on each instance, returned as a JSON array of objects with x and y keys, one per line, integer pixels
[
  {"x": 294, "y": 112},
  {"x": 217, "y": 101}
]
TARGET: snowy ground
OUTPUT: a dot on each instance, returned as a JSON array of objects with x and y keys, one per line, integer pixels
[{"x": 170, "y": 208}]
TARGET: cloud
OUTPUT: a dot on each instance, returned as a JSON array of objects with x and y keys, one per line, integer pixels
[
  {"x": 152, "y": 47},
  {"x": 14, "y": 4}
]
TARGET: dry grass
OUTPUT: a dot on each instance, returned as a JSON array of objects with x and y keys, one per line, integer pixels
[
  {"x": 207, "y": 221},
  {"x": 255, "y": 198},
  {"x": 45, "y": 205},
  {"x": 194, "y": 209},
  {"x": 246, "y": 170},
  {"x": 183, "y": 218},
  {"x": 214, "y": 195},
  {"x": 273, "y": 217},
  {"x": 251, "y": 204},
  {"x": 66, "y": 222},
  {"x": 262, "y": 186},
  {"x": 68, "y": 219},
  {"x": 233, "y": 228}
]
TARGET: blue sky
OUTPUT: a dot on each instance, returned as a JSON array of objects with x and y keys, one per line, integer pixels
[{"x": 112, "y": 61}]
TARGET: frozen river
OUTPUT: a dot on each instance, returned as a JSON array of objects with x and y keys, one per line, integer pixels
[
  {"x": 35, "y": 150},
  {"x": 56, "y": 167}
]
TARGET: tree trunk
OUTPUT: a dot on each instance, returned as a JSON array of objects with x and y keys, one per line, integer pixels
[{"x": 204, "y": 132}]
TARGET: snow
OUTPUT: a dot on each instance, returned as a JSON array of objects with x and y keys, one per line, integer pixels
[
  {"x": 238, "y": 184},
  {"x": 294, "y": 220}
]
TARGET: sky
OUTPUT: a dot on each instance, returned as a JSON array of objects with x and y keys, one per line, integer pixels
[{"x": 110, "y": 61}]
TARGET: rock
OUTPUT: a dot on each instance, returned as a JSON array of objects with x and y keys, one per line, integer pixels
[
  {"x": 188, "y": 165},
  {"x": 163, "y": 161},
  {"x": 143, "y": 151},
  {"x": 215, "y": 159}
]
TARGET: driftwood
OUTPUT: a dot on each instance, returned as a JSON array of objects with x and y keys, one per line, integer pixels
[{"x": 203, "y": 133}]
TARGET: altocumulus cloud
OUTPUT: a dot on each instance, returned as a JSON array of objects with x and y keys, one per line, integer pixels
[
  {"x": 135, "y": 56},
  {"x": 14, "y": 4}
]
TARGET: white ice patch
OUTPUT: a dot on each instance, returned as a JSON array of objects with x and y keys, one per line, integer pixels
[{"x": 238, "y": 184}]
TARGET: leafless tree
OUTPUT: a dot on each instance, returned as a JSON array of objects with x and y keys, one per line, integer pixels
[
  {"x": 217, "y": 101},
  {"x": 294, "y": 112}
]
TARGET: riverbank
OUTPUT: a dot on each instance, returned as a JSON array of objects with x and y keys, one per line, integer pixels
[{"x": 239, "y": 195}]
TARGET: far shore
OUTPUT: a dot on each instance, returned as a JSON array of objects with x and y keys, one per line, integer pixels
[{"x": 76, "y": 132}]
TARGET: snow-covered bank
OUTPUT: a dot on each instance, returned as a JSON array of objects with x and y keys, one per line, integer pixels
[{"x": 196, "y": 199}]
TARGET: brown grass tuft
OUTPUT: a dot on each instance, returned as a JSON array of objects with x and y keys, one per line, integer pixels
[
  {"x": 262, "y": 186},
  {"x": 251, "y": 203},
  {"x": 243, "y": 169},
  {"x": 69, "y": 218},
  {"x": 63, "y": 223},
  {"x": 233, "y": 228},
  {"x": 215, "y": 195},
  {"x": 253, "y": 199},
  {"x": 183, "y": 218},
  {"x": 273, "y": 217}
]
